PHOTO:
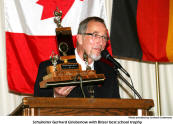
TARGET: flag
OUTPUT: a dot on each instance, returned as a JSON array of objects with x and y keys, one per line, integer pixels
[
  {"x": 30, "y": 34},
  {"x": 142, "y": 29}
]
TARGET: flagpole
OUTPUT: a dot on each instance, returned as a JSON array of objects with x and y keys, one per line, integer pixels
[{"x": 158, "y": 89}]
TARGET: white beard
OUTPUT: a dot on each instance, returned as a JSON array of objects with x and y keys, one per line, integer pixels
[{"x": 94, "y": 57}]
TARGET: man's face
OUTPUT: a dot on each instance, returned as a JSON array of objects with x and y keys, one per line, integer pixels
[{"x": 93, "y": 45}]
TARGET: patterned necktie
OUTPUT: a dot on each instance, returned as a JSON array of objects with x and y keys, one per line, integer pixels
[{"x": 89, "y": 88}]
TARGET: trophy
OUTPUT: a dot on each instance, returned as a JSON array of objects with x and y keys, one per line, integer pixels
[
  {"x": 63, "y": 36},
  {"x": 65, "y": 73}
]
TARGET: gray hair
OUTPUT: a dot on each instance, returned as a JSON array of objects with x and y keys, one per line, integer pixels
[{"x": 83, "y": 25}]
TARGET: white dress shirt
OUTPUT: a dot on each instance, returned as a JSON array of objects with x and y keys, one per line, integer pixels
[{"x": 82, "y": 62}]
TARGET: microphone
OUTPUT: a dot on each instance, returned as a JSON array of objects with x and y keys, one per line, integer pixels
[{"x": 105, "y": 54}]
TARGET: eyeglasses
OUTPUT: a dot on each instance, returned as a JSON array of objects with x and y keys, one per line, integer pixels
[{"x": 97, "y": 36}]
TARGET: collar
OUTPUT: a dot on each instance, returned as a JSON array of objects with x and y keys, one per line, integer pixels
[{"x": 82, "y": 62}]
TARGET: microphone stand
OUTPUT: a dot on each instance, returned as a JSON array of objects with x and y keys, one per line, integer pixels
[{"x": 128, "y": 84}]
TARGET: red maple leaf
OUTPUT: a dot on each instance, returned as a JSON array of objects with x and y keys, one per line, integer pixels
[{"x": 49, "y": 6}]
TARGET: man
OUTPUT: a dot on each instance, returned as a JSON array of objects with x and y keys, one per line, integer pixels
[{"x": 91, "y": 40}]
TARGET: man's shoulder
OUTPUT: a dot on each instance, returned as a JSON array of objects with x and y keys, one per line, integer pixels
[
  {"x": 103, "y": 65},
  {"x": 105, "y": 62},
  {"x": 45, "y": 63}
]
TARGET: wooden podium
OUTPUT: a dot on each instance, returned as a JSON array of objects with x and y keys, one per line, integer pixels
[{"x": 48, "y": 106}]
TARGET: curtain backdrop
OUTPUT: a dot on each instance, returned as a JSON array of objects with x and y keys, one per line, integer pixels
[{"x": 143, "y": 76}]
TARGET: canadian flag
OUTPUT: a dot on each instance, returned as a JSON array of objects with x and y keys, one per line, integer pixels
[{"x": 30, "y": 34}]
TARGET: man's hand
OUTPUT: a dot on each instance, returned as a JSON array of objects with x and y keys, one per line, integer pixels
[{"x": 62, "y": 91}]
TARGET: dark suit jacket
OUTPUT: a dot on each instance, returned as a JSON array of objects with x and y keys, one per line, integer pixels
[{"x": 108, "y": 89}]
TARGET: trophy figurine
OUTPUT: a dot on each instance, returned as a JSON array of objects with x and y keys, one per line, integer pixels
[
  {"x": 58, "y": 16},
  {"x": 54, "y": 58}
]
